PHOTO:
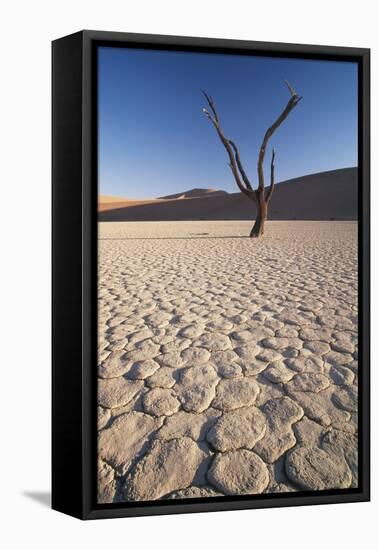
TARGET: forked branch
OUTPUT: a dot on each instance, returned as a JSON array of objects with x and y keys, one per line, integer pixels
[
  {"x": 261, "y": 195},
  {"x": 234, "y": 159}
]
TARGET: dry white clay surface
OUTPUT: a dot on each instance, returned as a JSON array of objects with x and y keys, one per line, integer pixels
[{"x": 226, "y": 365}]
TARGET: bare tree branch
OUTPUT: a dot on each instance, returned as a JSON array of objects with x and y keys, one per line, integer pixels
[
  {"x": 226, "y": 143},
  {"x": 272, "y": 182},
  {"x": 293, "y": 101},
  {"x": 240, "y": 167},
  {"x": 291, "y": 90},
  {"x": 211, "y": 104}
]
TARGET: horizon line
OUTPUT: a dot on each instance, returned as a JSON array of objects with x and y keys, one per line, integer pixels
[{"x": 99, "y": 194}]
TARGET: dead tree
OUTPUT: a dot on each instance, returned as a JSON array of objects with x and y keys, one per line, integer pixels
[{"x": 260, "y": 196}]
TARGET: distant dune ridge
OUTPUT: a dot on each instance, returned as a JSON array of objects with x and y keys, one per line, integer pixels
[
  {"x": 331, "y": 195},
  {"x": 194, "y": 193}
]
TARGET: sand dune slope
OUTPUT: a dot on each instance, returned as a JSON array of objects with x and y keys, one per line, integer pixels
[
  {"x": 324, "y": 196},
  {"x": 196, "y": 193}
]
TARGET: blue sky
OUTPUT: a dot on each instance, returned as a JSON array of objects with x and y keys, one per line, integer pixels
[{"x": 154, "y": 139}]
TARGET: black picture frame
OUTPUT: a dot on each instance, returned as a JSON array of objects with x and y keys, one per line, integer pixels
[{"x": 74, "y": 272}]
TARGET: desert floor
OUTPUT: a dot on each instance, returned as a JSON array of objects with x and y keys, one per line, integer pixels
[{"x": 227, "y": 365}]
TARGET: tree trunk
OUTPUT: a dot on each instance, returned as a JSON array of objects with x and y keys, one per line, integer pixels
[{"x": 259, "y": 226}]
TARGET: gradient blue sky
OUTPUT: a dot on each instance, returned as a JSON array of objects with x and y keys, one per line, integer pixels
[{"x": 154, "y": 139}]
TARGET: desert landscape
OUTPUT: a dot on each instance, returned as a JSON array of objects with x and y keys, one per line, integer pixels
[
  {"x": 227, "y": 287},
  {"x": 323, "y": 196},
  {"x": 227, "y": 365}
]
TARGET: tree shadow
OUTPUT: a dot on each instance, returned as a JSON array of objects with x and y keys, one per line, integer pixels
[{"x": 41, "y": 497}]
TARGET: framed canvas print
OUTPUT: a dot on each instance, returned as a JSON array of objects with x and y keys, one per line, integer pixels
[{"x": 210, "y": 274}]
